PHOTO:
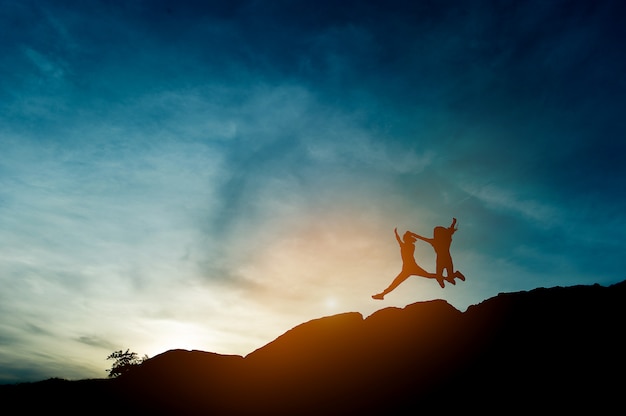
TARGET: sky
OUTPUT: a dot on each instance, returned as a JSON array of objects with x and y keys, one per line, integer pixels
[{"x": 207, "y": 175}]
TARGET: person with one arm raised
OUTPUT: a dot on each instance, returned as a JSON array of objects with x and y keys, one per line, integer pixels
[
  {"x": 409, "y": 266},
  {"x": 441, "y": 241}
]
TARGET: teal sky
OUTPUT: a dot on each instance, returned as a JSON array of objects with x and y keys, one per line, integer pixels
[{"x": 207, "y": 175}]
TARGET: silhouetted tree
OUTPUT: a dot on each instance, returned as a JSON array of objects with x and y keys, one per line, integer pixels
[{"x": 124, "y": 361}]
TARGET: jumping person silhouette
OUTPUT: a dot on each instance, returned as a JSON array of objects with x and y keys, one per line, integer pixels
[
  {"x": 441, "y": 241},
  {"x": 409, "y": 266}
]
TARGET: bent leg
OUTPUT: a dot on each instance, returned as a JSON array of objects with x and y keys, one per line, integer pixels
[
  {"x": 451, "y": 273},
  {"x": 449, "y": 276},
  {"x": 439, "y": 276}
]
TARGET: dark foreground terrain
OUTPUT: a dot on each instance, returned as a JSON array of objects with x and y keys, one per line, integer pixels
[{"x": 558, "y": 349}]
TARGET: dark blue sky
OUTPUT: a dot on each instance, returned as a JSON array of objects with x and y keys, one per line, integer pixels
[{"x": 210, "y": 174}]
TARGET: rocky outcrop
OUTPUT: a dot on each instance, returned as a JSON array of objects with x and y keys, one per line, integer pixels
[{"x": 549, "y": 349}]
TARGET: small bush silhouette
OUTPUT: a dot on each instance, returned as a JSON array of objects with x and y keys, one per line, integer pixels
[{"x": 124, "y": 361}]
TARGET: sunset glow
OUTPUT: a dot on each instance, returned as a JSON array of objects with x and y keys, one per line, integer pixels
[{"x": 208, "y": 175}]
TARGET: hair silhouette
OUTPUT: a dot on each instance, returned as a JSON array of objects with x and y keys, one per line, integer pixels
[{"x": 441, "y": 241}]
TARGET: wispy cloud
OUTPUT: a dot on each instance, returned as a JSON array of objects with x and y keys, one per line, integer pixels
[
  {"x": 98, "y": 342},
  {"x": 50, "y": 70},
  {"x": 507, "y": 200}
]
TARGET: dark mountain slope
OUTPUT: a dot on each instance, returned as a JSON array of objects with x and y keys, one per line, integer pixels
[
  {"x": 557, "y": 349},
  {"x": 561, "y": 346}
]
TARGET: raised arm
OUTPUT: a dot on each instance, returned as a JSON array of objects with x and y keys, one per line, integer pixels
[
  {"x": 395, "y": 230},
  {"x": 452, "y": 226}
]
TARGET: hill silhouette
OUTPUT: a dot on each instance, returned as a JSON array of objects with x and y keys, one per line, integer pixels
[{"x": 548, "y": 349}]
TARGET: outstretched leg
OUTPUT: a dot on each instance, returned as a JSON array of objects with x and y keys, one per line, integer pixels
[
  {"x": 459, "y": 275},
  {"x": 418, "y": 271},
  {"x": 439, "y": 279},
  {"x": 394, "y": 284}
]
